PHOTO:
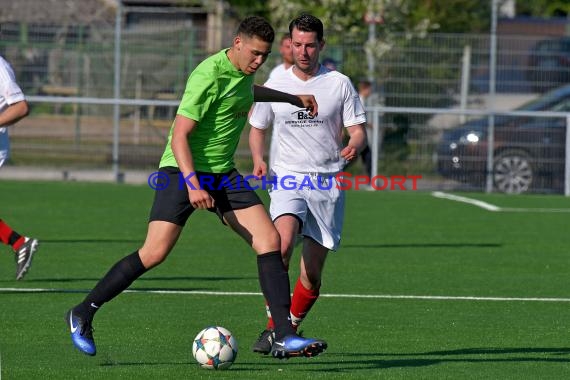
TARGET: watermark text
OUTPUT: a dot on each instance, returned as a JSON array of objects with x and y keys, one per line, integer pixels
[{"x": 342, "y": 181}]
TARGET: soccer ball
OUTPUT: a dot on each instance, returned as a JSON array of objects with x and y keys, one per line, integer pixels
[{"x": 215, "y": 347}]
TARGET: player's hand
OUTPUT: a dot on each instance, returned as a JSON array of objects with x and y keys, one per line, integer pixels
[
  {"x": 349, "y": 153},
  {"x": 200, "y": 199},
  {"x": 259, "y": 169},
  {"x": 310, "y": 104}
]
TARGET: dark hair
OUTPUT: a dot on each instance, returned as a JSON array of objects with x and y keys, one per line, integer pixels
[
  {"x": 329, "y": 61},
  {"x": 307, "y": 23},
  {"x": 255, "y": 26}
]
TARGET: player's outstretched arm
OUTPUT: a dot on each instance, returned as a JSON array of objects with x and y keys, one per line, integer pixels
[{"x": 266, "y": 94}]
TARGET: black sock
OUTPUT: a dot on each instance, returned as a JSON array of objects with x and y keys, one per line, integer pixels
[
  {"x": 119, "y": 278},
  {"x": 14, "y": 237},
  {"x": 274, "y": 281}
]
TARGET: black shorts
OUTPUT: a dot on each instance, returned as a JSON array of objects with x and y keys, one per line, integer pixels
[{"x": 171, "y": 203}]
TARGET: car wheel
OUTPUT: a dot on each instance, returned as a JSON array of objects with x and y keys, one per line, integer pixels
[{"x": 512, "y": 172}]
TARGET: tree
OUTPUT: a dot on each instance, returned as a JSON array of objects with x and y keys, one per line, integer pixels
[
  {"x": 454, "y": 16},
  {"x": 544, "y": 8}
]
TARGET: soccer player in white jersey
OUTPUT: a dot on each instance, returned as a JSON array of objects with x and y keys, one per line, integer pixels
[
  {"x": 13, "y": 107},
  {"x": 286, "y": 56},
  {"x": 308, "y": 149}
]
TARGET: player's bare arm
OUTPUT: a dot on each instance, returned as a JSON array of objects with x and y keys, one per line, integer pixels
[
  {"x": 257, "y": 148},
  {"x": 356, "y": 142},
  {"x": 266, "y": 94},
  {"x": 14, "y": 113},
  {"x": 183, "y": 128}
]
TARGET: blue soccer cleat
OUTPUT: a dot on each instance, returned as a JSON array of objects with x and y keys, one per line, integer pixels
[
  {"x": 294, "y": 345},
  {"x": 81, "y": 333}
]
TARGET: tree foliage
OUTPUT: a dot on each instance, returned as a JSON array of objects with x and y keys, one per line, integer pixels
[
  {"x": 442, "y": 16},
  {"x": 347, "y": 16},
  {"x": 544, "y": 8},
  {"x": 453, "y": 16},
  {"x": 403, "y": 23}
]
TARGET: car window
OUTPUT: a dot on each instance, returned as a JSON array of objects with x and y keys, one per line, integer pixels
[
  {"x": 547, "y": 101},
  {"x": 563, "y": 106},
  {"x": 550, "y": 46},
  {"x": 539, "y": 103}
]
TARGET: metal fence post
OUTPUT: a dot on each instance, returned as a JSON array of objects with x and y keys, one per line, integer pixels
[
  {"x": 567, "y": 159},
  {"x": 375, "y": 139},
  {"x": 117, "y": 94},
  {"x": 465, "y": 77},
  {"x": 492, "y": 84}
]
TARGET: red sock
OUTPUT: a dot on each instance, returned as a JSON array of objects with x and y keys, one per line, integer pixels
[
  {"x": 10, "y": 237},
  {"x": 302, "y": 301},
  {"x": 270, "y": 324},
  {"x": 5, "y": 232}
]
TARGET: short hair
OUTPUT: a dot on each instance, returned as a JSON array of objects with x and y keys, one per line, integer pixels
[
  {"x": 307, "y": 23},
  {"x": 255, "y": 26},
  {"x": 329, "y": 61},
  {"x": 285, "y": 36}
]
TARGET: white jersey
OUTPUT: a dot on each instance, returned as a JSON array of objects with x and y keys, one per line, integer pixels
[
  {"x": 10, "y": 93},
  {"x": 277, "y": 71},
  {"x": 304, "y": 143}
]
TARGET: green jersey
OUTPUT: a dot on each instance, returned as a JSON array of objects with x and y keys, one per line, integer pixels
[{"x": 218, "y": 97}]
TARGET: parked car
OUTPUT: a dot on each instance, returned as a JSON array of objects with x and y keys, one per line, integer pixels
[
  {"x": 528, "y": 152},
  {"x": 549, "y": 63}
]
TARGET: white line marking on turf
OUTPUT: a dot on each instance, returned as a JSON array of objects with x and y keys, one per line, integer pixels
[
  {"x": 508, "y": 209},
  {"x": 475, "y": 202},
  {"x": 491, "y": 207},
  {"x": 356, "y": 296}
]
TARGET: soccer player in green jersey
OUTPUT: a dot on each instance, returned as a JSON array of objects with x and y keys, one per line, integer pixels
[{"x": 198, "y": 173}]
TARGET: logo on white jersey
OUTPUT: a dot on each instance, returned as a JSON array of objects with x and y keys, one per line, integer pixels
[{"x": 302, "y": 114}]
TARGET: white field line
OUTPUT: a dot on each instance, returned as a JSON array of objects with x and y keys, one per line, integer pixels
[
  {"x": 491, "y": 207},
  {"x": 508, "y": 209},
  {"x": 256, "y": 294},
  {"x": 457, "y": 198}
]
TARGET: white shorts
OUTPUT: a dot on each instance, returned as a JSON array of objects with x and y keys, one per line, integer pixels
[{"x": 314, "y": 198}]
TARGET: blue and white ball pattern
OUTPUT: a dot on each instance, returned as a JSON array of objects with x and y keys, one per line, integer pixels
[{"x": 215, "y": 347}]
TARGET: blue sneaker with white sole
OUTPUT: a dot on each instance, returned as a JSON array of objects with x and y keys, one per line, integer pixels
[
  {"x": 295, "y": 345},
  {"x": 81, "y": 333}
]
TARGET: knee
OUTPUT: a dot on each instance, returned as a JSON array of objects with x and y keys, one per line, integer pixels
[
  {"x": 311, "y": 281},
  {"x": 152, "y": 258},
  {"x": 274, "y": 238},
  {"x": 288, "y": 245},
  {"x": 311, "y": 277},
  {"x": 287, "y": 248},
  {"x": 269, "y": 242}
]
